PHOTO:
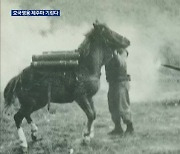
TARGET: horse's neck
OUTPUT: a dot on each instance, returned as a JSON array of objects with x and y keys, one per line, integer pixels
[{"x": 93, "y": 62}]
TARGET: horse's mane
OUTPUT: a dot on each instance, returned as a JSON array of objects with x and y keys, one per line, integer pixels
[
  {"x": 90, "y": 37},
  {"x": 85, "y": 47}
]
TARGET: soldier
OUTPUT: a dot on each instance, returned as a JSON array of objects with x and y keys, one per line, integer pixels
[{"x": 118, "y": 95}]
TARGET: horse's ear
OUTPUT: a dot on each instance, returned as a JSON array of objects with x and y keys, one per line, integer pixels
[{"x": 96, "y": 23}]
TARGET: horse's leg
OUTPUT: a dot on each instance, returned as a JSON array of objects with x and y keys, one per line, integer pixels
[
  {"x": 34, "y": 128},
  {"x": 94, "y": 112},
  {"x": 33, "y": 106},
  {"x": 86, "y": 107},
  {"x": 18, "y": 117},
  {"x": 27, "y": 105}
]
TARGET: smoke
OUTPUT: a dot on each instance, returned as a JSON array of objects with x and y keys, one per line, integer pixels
[
  {"x": 23, "y": 37},
  {"x": 146, "y": 54},
  {"x": 149, "y": 31}
]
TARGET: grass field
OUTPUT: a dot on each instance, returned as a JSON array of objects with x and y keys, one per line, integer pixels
[{"x": 157, "y": 129}]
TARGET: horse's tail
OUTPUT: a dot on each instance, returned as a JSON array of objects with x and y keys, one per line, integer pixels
[{"x": 10, "y": 92}]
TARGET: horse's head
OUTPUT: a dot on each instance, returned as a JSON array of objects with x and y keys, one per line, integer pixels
[{"x": 109, "y": 39}]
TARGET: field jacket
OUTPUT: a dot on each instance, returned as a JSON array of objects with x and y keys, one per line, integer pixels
[{"x": 116, "y": 70}]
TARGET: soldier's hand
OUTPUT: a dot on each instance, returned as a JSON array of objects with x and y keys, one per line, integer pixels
[{"x": 115, "y": 52}]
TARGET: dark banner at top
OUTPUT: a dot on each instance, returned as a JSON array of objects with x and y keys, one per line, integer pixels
[{"x": 35, "y": 13}]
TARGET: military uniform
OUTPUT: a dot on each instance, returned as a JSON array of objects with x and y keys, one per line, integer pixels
[{"x": 118, "y": 95}]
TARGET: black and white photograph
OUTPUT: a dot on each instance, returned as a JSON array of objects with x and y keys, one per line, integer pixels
[{"x": 90, "y": 77}]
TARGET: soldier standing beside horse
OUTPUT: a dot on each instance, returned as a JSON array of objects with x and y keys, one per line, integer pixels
[{"x": 118, "y": 95}]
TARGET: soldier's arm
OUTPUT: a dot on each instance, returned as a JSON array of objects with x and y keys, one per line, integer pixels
[{"x": 120, "y": 57}]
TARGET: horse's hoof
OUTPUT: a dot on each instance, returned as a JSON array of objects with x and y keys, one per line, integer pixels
[
  {"x": 34, "y": 138},
  {"x": 24, "y": 150},
  {"x": 86, "y": 140}
]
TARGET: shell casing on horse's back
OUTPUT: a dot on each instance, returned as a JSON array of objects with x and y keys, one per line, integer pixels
[
  {"x": 58, "y": 64},
  {"x": 58, "y": 52},
  {"x": 56, "y": 56}
]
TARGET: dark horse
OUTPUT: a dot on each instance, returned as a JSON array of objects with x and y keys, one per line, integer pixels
[{"x": 31, "y": 87}]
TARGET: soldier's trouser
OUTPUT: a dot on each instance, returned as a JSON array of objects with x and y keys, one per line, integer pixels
[{"x": 119, "y": 103}]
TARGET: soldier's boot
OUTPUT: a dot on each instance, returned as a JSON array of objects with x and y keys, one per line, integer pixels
[
  {"x": 117, "y": 130},
  {"x": 130, "y": 128}
]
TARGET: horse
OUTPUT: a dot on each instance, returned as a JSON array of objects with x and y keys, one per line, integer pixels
[{"x": 80, "y": 85}]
